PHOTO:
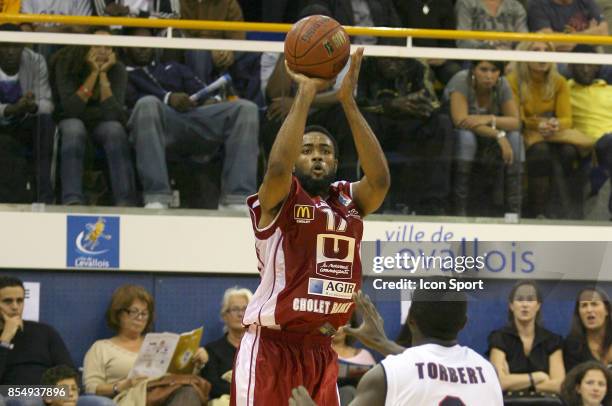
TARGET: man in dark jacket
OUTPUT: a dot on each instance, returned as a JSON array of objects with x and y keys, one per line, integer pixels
[{"x": 164, "y": 115}]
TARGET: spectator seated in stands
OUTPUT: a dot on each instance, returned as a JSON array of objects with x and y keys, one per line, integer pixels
[
  {"x": 568, "y": 16},
  {"x": 590, "y": 336},
  {"x": 398, "y": 100},
  {"x": 67, "y": 378},
  {"x": 28, "y": 348},
  {"x": 222, "y": 352},
  {"x": 591, "y": 99},
  {"x": 55, "y": 7},
  {"x": 485, "y": 115},
  {"x": 431, "y": 14},
  {"x": 207, "y": 65},
  {"x": 137, "y": 8},
  {"x": 526, "y": 355},
  {"x": 89, "y": 85},
  {"x": 589, "y": 384},
  {"x": 25, "y": 120},
  {"x": 496, "y": 15},
  {"x": 550, "y": 140},
  {"x": 164, "y": 116},
  {"x": 109, "y": 361}
]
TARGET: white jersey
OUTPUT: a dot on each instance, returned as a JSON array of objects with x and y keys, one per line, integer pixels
[{"x": 434, "y": 375}]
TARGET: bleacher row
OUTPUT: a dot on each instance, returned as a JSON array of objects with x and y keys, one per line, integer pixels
[{"x": 121, "y": 130}]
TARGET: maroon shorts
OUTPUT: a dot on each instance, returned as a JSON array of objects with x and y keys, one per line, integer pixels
[{"x": 270, "y": 363}]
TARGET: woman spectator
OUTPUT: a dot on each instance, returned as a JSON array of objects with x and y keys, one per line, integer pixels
[
  {"x": 90, "y": 84},
  {"x": 109, "y": 361},
  {"x": 482, "y": 106},
  {"x": 590, "y": 337},
  {"x": 589, "y": 384},
  {"x": 526, "y": 355},
  {"x": 545, "y": 110},
  {"x": 222, "y": 351},
  {"x": 490, "y": 15}
]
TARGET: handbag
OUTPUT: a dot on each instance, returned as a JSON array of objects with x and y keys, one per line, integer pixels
[{"x": 160, "y": 390}]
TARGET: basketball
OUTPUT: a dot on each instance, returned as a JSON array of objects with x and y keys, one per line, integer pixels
[{"x": 318, "y": 47}]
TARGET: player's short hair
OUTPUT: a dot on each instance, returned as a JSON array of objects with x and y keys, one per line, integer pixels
[
  {"x": 122, "y": 299},
  {"x": 58, "y": 373},
  {"x": 320, "y": 129},
  {"x": 439, "y": 313},
  {"x": 10, "y": 281}
]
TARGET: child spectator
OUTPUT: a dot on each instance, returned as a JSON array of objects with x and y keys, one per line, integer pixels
[
  {"x": 66, "y": 377},
  {"x": 589, "y": 384}
]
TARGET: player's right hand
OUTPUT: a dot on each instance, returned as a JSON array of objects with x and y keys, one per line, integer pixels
[
  {"x": 303, "y": 80},
  {"x": 371, "y": 332}
]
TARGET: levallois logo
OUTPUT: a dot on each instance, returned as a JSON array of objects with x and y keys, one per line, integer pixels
[{"x": 93, "y": 242}]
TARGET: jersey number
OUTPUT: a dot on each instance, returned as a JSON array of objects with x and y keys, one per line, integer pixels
[
  {"x": 331, "y": 222},
  {"x": 451, "y": 401}
]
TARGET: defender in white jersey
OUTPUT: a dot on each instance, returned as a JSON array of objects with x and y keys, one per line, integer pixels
[{"x": 436, "y": 371}]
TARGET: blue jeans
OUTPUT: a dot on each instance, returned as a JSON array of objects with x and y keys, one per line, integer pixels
[
  {"x": 467, "y": 145},
  {"x": 154, "y": 126},
  {"x": 113, "y": 138}
]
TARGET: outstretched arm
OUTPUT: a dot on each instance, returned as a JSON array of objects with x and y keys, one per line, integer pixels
[
  {"x": 371, "y": 190},
  {"x": 371, "y": 332},
  {"x": 286, "y": 149}
]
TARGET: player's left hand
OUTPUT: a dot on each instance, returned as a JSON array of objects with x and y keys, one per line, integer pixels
[
  {"x": 200, "y": 358},
  {"x": 349, "y": 84},
  {"x": 300, "y": 397}
]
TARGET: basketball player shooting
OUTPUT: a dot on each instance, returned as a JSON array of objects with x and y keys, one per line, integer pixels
[{"x": 308, "y": 230}]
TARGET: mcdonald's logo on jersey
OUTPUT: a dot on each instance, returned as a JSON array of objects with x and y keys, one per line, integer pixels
[{"x": 303, "y": 213}]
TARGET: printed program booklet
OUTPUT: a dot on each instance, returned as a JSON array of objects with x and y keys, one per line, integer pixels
[{"x": 163, "y": 353}]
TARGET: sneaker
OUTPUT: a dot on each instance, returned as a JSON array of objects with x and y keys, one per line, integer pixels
[{"x": 156, "y": 206}]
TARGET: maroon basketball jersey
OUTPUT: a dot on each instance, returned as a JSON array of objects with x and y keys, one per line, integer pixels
[{"x": 308, "y": 259}]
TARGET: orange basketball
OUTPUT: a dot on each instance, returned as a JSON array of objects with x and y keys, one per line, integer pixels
[{"x": 317, "y": 46}]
